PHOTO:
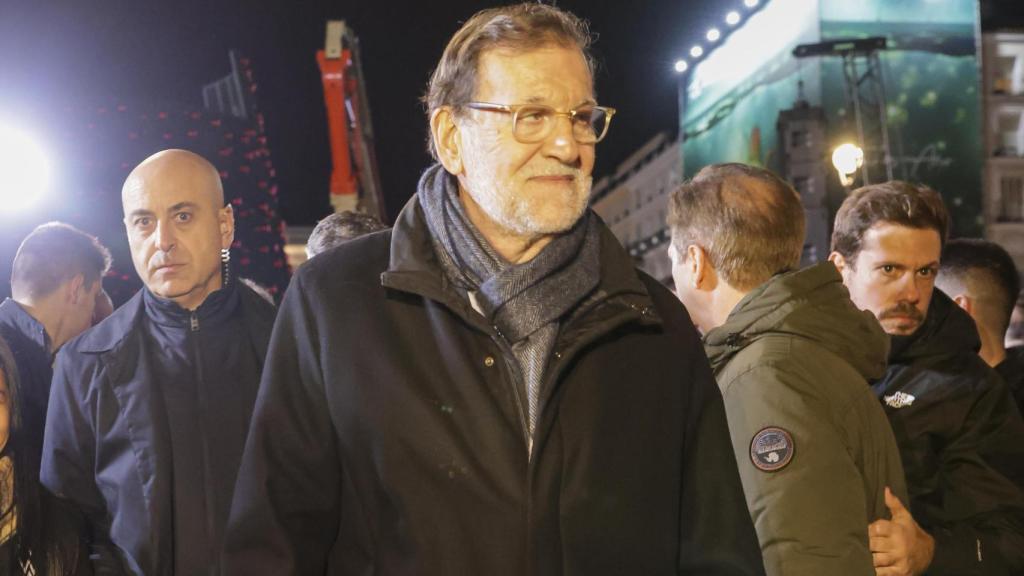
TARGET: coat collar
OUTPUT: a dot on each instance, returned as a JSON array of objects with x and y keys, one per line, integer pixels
[
  {"x": 17, "y": 317},
  {"x": 109, "y": 334},
  {"x": 414, "y": 267}
]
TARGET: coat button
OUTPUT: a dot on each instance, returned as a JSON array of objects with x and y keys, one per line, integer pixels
[{"x": 489, "y": 361}]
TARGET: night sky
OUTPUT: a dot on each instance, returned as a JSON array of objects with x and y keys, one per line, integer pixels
[
  {"x": 55, "y": 53},
  {"x": 52, "y": 53}
]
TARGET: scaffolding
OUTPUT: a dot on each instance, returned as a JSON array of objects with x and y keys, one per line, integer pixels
[{"x": 864, "y": 91}]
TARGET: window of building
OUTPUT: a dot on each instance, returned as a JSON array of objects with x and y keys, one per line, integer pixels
[
  {"x": 1011, "y": 195},
  {"x": 802, "y": 184}
]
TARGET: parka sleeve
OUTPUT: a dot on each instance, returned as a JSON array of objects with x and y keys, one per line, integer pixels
[
  {"x": 805, "y": 492},
  {"x": 285, "y": 512},
  {"x": 717, "y": 537},
  {"x": 68, "y": 457}
]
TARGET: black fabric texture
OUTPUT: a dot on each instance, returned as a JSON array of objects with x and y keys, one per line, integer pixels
[{"x": 959, "y": 435}]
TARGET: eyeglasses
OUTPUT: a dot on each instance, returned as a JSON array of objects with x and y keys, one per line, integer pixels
[{"x": 534, "y": 122}]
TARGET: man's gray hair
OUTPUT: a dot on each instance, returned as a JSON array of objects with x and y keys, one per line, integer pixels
[
  {"x": 339, "y": 228},
  {"x": 748, "y": 220},
  {"x": 520, "y": 27}
]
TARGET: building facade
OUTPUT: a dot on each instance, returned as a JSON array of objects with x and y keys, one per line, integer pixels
[
  {"x": 634, "y": 203},
  {"x": 1003, "y": 83}
]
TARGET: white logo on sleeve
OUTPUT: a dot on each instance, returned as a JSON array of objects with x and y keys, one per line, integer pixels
[{"x": 899, "y": 400}]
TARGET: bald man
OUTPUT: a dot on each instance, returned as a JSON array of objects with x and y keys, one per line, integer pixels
[{"x": 150, "y": 409}]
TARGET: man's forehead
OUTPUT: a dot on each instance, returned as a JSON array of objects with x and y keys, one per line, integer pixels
[
  {"x": 163, "y": 190},
  {"x": 550, "y": 71},
  {"x": 894, "y": 242},
  {"x": 173, "y": 173},
  {"x": 156, "y": 196}
]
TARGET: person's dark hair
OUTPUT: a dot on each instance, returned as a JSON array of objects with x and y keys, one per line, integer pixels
[
  {"x": 985, "y": 272},
  {"x": 748, "y": 220},
  {"x": 44, "y": 526},
  {"x": 523, "y": 27},
  {"x": 339, "y": 228},
  {"x": 1015, "y": 331},
  {"x": 894, "y": 202},
  {"x": 54, "y": 253}
]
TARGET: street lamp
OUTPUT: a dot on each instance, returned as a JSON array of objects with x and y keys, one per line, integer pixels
[
  {"x": 847, "y": 159},
  {"x": 24, "y": 170}
]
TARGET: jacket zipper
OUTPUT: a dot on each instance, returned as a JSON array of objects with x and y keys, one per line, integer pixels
[{"x": 203, "y": 409}]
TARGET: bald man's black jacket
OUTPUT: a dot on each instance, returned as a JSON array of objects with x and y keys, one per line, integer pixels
[{"x": 147, "y": 421}]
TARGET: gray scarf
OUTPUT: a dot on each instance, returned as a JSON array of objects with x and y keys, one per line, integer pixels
[{"x": 525, "y": 301}]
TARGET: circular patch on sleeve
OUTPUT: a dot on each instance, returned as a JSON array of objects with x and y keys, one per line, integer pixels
[{"x": 771, "y": 449}]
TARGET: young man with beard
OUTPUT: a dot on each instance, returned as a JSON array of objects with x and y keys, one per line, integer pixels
[
  {"x": 952, "y": 415},
  {"x": 792, "y": 356},
  {"x": 491, "y": 387}
]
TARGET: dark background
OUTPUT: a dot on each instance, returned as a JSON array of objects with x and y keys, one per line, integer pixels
[{"x": 57, "y": 57}]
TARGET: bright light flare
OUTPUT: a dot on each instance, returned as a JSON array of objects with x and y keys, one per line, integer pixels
[
  {"x": 713, "y": 35},
  {"x": 732, "y": 18},
  {"x": 750, "y": 3},
  {"x": 696, "y": 51},
  {"x": 24, "y": 170},
  {"x": 847, "y": 159},
  {"x": 682, "y": 66}
]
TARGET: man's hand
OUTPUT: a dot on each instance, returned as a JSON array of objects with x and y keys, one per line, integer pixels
[{"x": 899, "y": 546}]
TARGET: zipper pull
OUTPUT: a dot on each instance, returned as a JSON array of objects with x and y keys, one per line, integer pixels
[{"x": 194, "y": 322}]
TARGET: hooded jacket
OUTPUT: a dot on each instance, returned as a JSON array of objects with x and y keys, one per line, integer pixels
[
  {"x": 814, "y": 449},
  {"x": 960, "y": 437},
  {"x": 387, "y": 437}
]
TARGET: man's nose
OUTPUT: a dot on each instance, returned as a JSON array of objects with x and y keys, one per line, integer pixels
[
  {"x": 910, "y": 291},
  {"x": 561, "y": 143},
  {"x": 165, "y": 238}
]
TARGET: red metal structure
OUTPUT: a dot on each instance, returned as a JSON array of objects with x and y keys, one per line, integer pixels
[{"x": 355, "y": 183}]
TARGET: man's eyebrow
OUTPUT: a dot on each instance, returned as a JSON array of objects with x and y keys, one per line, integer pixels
[
  {"x": 182, "y": 205},
  {"x": 539, "y": 100},
  {"x": 137, "y": 213}
]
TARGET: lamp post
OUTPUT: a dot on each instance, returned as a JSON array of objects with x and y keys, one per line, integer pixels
[{"x": 847, "y": 159}]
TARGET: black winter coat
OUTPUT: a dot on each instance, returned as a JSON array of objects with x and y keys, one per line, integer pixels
[
  {"x": 387, "y": 438},
  {"x": 107, "y": 448},
  {"x": 961, "y": 440},
  {"x": 30, "y": 346}
]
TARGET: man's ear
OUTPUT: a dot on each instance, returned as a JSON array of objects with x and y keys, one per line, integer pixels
[
  {"x": 838, "y": 261},
  {"x": 76, "y": 289},
  {"x": 702, "y": 271},
  {"x": 964, "y": 301},
  {"x": 226, "y": 221},
  {"x": 447, "y": 139}
]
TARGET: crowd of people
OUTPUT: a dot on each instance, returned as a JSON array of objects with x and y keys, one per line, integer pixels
[{"x": 491, "y": 387}]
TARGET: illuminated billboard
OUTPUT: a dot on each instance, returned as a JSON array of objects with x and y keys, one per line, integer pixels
[{"x": 734, "y": 95}]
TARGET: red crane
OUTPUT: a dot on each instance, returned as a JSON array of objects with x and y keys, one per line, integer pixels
[{"x": 355, "y": 182}]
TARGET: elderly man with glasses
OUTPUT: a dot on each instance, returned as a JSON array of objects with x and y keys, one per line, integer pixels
[{"x": 491, "y": 387}]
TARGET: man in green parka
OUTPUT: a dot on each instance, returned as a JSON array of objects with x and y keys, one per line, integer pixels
[{"x": 791, "y": 354}]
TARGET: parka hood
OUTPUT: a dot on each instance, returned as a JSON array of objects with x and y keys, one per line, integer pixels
[{"x": 811, "y": 303}]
